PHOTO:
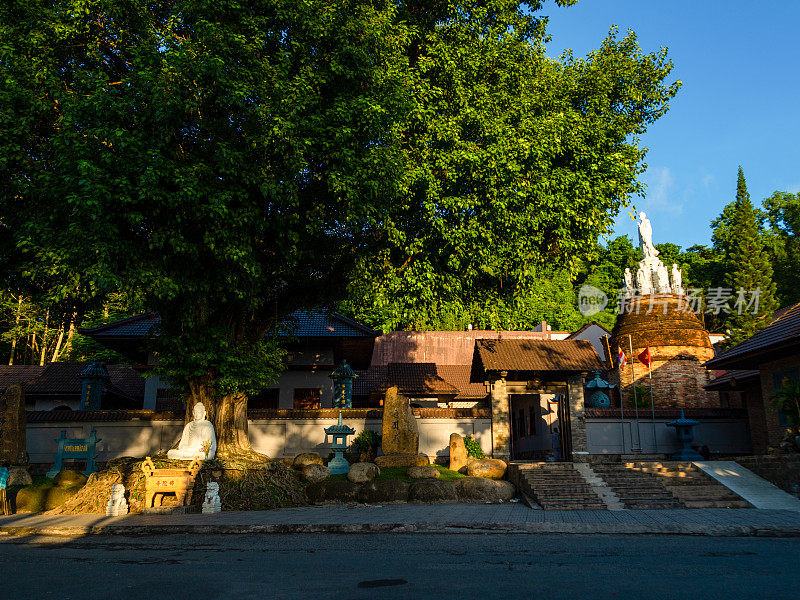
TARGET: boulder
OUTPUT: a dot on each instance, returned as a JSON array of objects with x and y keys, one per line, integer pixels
[
  {"x": 478, "y": 489},
  {"x": 458, "y": 453},
  {"x": 19, "y": 476},
  {"x": 492, "y": 468},
  {"x": 363, "y": 472},
  {"x": 42, "y": 498},
  {"x": 423, "y": 473},
  {"x": 305, "y": 459},
  {"x": 400, "y": 430},
  {"x": 68, "y": 478},
  {"x": 402, "y": 460},
  {"x": 314, "y": 473},
  {"x": 431, "y": 491},
  {"x": 332, "y": 490},
  {"x": 380, "y": 492}
]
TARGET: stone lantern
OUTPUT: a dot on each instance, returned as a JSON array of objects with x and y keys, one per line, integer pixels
[
  {"x": 343, "y": 378},
  {"x": 339, "y": 432},
  {"x": 597, "y": 391},
  {"x": 683, "y": 428},
  {"x": 93, "y": 382}
]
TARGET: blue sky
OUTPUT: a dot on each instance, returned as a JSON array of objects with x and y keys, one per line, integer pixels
[{"x": 739, "y": 104}]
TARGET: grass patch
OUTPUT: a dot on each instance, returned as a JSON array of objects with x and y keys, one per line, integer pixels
[{"x": 399, "y": 474}]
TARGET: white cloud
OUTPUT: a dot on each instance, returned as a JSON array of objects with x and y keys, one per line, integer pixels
[{"x": 660, "y": 196}]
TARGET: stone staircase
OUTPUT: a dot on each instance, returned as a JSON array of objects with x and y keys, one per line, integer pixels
[
  {"x": 555, "y": 486},
  {"x": 666, "y": 485},
  {"x": 693, "y": 487}
]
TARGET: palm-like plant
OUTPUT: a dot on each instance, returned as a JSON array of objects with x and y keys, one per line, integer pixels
[{"x": 787, "y": 400}]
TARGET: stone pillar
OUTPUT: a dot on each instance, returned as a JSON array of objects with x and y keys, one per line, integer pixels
[
  {"x": 577, "y": 418},
  {"x": 500, "y": 419}
]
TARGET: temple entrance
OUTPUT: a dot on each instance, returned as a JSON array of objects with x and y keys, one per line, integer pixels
[{"x": 533, "y": 420}]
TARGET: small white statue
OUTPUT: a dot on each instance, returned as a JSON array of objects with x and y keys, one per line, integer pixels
[
  {"x": 117, "y": 505},
  {"x": 629, "y": 289},
  {"x": 198, "y": 439},
  {"x": 662, "y": 279},
  {"x": 677, "y": 280},
  {"x": 212, "y": 502},
  {"x": 644, "y": 279},
  {"x": 646, "y": 237}
]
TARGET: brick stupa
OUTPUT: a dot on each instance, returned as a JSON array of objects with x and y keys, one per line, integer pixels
[{"x": 657, "y": 314}]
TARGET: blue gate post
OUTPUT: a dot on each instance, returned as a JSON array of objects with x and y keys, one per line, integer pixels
[{"x": 75, "y": 449}]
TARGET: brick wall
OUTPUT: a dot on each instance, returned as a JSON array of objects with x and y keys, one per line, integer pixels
[
  {"x": 769, "y": 427},
  {"x": 780, "y": 470}
]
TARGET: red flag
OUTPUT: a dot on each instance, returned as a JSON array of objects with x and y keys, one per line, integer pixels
[
  {"x": 622, "y": 360},
  {"x": 645, "y": 357}
]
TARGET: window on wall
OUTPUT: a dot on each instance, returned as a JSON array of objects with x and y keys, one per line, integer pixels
[
  {"x": 264, "y": 400},
  {"x": 305, "y": 398}
]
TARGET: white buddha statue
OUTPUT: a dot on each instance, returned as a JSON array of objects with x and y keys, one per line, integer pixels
[{"x": 196, "y": 434}]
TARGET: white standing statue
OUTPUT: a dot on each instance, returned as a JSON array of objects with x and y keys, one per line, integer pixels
[
  {"x": 198, "y": 439},
  {"x": 644, "y": 279},
  {"x": 629, "y": 288},
  {"x": 662, "y": 279},
  {"x": 677, "y": 280},
  {"x": 646, "y": 237},
  {"x": 212, "y": 502},
  {"x": 117, "y": 505}
]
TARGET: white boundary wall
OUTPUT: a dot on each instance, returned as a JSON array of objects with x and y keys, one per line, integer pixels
[{"x": 276, "y": 438}]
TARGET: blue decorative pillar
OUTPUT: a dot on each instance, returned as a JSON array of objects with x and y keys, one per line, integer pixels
[
  {"x": 93, "y": 382},
  {"x": 343, "y": 378}
]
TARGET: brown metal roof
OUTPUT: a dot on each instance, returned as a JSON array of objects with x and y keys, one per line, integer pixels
[
  {"x": 783, "y": 332},
  {"x": 537, "y": 355},
  {"x": 732, "y": 380}
]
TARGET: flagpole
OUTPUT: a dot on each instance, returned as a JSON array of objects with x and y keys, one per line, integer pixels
[
  {"x": 652, "y": 405},
  {"x": 637, "y": 450}
]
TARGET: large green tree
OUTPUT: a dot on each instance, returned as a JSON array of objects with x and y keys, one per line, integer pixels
[
  {"x": 748, "y": 269},
  {"x": 226, "y": 160},
  {"x": 518, "y": 162},
  {"x": 781, "y": 214},
  {"x": 229, "y": 162}
]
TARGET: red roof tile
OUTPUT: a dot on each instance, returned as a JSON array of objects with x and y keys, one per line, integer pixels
[{"x": 537, "y": 355}]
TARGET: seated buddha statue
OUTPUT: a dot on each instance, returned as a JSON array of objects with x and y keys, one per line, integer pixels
[{"x": 197, "y": 436}]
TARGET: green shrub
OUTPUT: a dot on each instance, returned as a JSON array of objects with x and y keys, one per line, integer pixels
[
  {"x": 473, "y": 447},
  {"x": 366, "y": 440}
]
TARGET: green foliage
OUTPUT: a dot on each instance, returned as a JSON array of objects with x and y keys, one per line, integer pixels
[
  {"x": 365, "y": 441},
  {"x": 781, "y": 215},
  {"x": 787, "y": 400},
  {"x": 642, "y": 396},
  {"x": 473, "y": 447},
  {"x": 748, "y": 268},
  {"x": 516, "y": 164}
]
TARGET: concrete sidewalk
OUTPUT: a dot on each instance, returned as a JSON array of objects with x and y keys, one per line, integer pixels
[{"x": 405, "y": 518}]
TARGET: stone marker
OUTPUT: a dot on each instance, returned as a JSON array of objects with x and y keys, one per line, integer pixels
[
  {"x": 117, "y": 506},
  {"x": 12, "y": 427},
  {"x": 363, "y": 472},
  {"x": 458, "y": 452},
  {"x": 400, "y": 430}
]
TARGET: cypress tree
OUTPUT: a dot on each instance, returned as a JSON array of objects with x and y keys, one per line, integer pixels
[{"x": 748, "y": 268}]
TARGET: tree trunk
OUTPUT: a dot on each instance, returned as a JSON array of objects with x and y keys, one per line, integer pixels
[
  {"x": 228, "y": 413},
  {"x": 16, "y": 325},
  {"x": 44, "y": 338},
  {"x": 57, "y": 350}
]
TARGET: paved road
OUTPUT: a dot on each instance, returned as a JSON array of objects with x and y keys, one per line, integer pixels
[{"x": 352, "y": 567}]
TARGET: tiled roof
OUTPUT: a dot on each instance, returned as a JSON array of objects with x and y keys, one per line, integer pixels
[
  {"x": 63, "y": 379},
  {"x": 783, "y": 331},
  {"x": 537, "y": 355},
  {"x": 459, "y": 376},
  {"x": 319, "y": 323},
  {"x": 136, "y": 326},
  {"x": 302, "y": 323},
  {"x": 449, "y": 379},
  {"x": 731, "y": 379},
  {"x": 12, "y": 374}
]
